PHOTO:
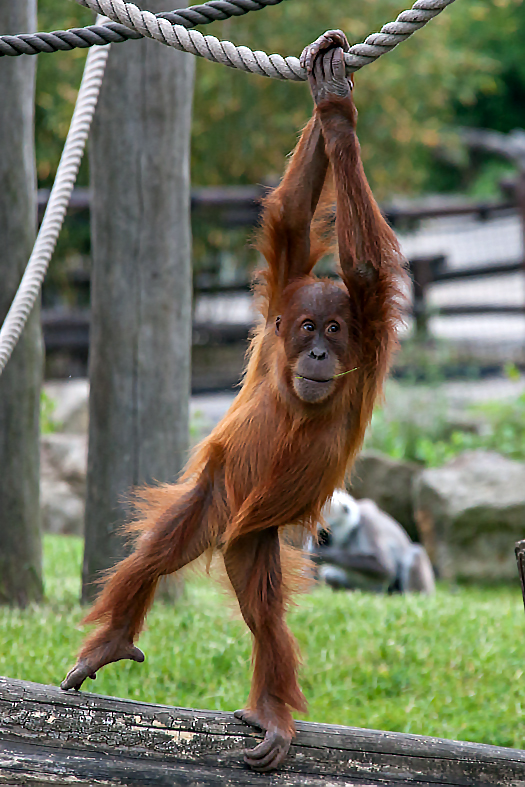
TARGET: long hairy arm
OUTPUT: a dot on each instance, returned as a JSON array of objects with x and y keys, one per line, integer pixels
[
  {"x": 285, "y": 238},
  {"x": 371, "y": 264}
]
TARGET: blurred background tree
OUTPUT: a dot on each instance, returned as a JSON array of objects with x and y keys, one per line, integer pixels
[
  {"x": 465, "y": 68},
  {"x": 58, "y": 80}
]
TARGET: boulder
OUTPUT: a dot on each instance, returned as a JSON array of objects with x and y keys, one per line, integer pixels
[
  {"x": 65, "y": 456},
  {"x": 71, "y": 404},
  {"x": 388, "y": 482},
  {"x": 469, "y": 513},
  {"x": 62, "y": 510},
  {"x": 63, "y": 466}
]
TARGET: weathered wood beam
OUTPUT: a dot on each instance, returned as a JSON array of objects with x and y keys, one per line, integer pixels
[
  {"x": 20, "y": 547},
  {"x": 139, "y": 353},
  {"x": 48, "y": 737}
]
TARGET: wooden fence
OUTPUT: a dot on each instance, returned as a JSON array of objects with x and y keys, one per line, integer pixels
[{"x": 218, "y": 348}]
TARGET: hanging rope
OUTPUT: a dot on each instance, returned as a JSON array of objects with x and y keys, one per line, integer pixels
[
  {"x": 115, "y": 33},
  {"x": 257, "y": 62},
  {"x": 57, "y": 205}
]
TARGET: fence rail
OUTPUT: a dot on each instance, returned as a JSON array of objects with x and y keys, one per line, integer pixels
[
  {"x": 248, "y": 198},
  {"x": 68, "y": 330}
]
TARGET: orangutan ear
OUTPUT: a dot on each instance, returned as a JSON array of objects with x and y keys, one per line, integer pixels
[{"x": 277, "y": 325}]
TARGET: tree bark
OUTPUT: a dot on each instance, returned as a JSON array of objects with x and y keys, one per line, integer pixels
[
  {"x": 20, "y": 545},
  {"x": 141, "y": 286}
]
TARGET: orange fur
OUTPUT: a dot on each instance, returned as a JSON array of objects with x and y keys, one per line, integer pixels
[{"x": 274, "y": 460}]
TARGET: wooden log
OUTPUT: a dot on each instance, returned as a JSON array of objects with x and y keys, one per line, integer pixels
[
  {"x": 141, "y": 290},
  {"x": 49, "y": 737},
  {"x": 20, "y": 548}
]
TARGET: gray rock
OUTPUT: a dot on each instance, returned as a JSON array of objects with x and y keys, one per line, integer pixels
[
  {"x": 62, "y": 510},
  {"x": 64, "y": 456},
  {"x": 63, "y": 466},
  {"x": 71, "y": 404},
  {"x": 388, "y": 482},
  {"x": 469, "y": 514}
]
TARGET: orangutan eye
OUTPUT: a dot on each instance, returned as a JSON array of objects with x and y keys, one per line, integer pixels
[
  {"x": 333, "y": 328},
  {"x": 308, "y": 326}
]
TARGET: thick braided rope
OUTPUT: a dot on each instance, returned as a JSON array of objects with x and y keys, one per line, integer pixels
[
  {"x": 58, "y": 201},
  {"x": 258, "y": 62},
  {"x": 114, "y": 32}
]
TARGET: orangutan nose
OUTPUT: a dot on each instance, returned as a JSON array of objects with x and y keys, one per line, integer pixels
[{"x": 318, "y": 355}]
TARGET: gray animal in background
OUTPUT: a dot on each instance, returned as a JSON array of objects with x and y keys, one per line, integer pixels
[{"x": 364, "y": 548}]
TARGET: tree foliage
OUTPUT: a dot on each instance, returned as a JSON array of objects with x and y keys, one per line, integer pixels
[
  {"x": 498, "y": 27},
  {"x": 244, "y": 125},
  {"x": 58, "y": 80}
]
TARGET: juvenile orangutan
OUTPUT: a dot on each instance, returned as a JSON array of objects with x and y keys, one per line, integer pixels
[{"x": 317, "y": 364}]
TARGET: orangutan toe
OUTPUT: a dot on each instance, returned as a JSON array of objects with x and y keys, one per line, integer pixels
[
  {"x": 270, "y": 753},
  {"x": 251, "y": 717},
  {"x": 76, "y": 676}
]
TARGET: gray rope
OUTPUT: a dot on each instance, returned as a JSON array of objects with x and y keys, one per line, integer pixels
[
  {"x": 257, "y": 62},
  {"x": 115, "y": 33},
  {"x": 58, "y": 201}
]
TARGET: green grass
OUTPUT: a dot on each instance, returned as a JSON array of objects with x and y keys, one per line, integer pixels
[
  {"x": 449, "y": 666},
  {"x": 415, "y": 424}
]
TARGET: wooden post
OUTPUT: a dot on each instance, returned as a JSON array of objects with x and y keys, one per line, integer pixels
[
  {"x": 141, "y": 287},
  {"x": 421, "y": 269},
  {"x": 20, "y": 547},
  {"x": 519, "y": 550},
  {"x": 520, "y": 199}
]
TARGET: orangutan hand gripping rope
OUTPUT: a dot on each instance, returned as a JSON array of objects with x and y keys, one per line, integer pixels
[{"x": 317, "y": 364}]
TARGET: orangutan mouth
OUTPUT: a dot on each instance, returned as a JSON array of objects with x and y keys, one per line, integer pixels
[{"x": 312, "y": 380}]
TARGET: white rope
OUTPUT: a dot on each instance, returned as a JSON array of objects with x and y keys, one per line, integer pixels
[
  {"x": 58, "y": 201},
  {"x": 257, "y": 62}
]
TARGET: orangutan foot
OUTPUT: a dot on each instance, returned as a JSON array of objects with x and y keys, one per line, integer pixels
[
  {"x": 271, "y": 752},
  {"x": 87, "y": 666}
]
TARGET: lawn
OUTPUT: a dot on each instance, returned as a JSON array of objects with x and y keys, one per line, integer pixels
[{"x": 450, "y": 666}]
